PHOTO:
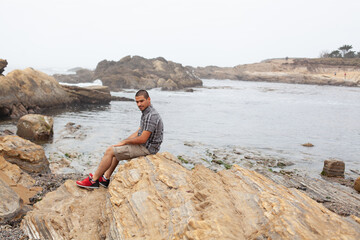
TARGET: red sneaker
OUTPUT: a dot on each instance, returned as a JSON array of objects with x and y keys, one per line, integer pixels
[
  {"x": 88, "y": 182},
  {"x": 103, "y": 182}
]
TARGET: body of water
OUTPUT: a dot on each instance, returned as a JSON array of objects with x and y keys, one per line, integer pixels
[{"x": 272, "y": 118}]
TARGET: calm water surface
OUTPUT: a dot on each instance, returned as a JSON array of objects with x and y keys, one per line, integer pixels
[{"x": 273, "y": 118}]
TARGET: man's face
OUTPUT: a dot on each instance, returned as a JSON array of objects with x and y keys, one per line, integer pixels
[{"x": 142, "y": 102}]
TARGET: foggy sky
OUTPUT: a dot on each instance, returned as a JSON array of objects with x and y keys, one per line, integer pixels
[{"x": 80, "y": 33}]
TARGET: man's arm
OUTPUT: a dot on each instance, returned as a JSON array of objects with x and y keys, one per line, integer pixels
[
  {"x": 135, "y": 140},
  {"x": 134, "y": 134}
]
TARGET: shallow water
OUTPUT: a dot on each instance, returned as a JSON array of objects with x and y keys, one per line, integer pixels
[{"x": 271, "y": 118}]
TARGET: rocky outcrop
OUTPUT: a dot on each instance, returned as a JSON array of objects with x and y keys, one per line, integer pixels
[
  {"x": 154, "y": 197},
  {"x": 90, "y": 95},
  {"x": 3, "y": 64},
  {"x": 35, "y": 127},
  {"x": 25, "y": 91},
  {"x": 81, "y": 76},
  {"x": 140, "y": 73},
  {"x": 30, "y": 91},
  {"x": 302, "y": 71},
  {"x": 28, "y": 156}
]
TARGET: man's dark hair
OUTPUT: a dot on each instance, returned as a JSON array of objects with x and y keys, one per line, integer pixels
[{"x": 143, "y": 93}]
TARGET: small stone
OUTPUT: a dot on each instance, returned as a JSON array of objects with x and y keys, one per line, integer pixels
[
  {"x": 357, "y": 184},
  {"x": 333, "y": 168},
  {"x": 307, "y": 145}
]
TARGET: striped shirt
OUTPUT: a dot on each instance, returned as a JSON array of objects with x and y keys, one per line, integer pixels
[{"x": 151, "y": 121}]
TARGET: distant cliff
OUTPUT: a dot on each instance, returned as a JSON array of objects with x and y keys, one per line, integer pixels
[{"x": 322, "y": 71}]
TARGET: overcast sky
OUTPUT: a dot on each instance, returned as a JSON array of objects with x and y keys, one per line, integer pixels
[{"x": 72, "y": 33}]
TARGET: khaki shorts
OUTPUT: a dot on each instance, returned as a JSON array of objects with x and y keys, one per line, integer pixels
[{"x": 130, "y": 151}]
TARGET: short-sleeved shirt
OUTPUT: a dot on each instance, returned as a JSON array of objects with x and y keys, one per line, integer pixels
[{"x": 152, "y": 122}]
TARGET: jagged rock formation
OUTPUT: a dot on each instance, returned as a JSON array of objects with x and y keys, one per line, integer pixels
[
  {"x": 35, "y": 127},
  {"x": 30, "y": 91},
  {"x": 304, "y": 71},
  {"x": 29, "y": 156},
  {"x": 154, "y": 197},
  {"x": 3, "y": 64},
  {"x": 140, "y": 73}
]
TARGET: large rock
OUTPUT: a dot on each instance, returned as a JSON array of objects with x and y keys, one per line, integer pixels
[
  {"x": 16, "y": 188},
  {"x": 30, "y": 91},
  {"x": 138, "y": 72},
  {"x": 25, "y": 91},
  {"x": 27, "y": 155},
  {"x": 10, "y": 204},
  {"x": 3, "y": 64},
  {"x": 35, "y": 127},
  {"x": 154, "y": 197}
]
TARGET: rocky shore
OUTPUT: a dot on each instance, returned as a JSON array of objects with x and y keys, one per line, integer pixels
[{"x": 322, "y": 71}]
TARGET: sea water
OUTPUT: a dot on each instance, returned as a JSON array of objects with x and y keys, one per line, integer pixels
[{"x": 273, "y": 118}]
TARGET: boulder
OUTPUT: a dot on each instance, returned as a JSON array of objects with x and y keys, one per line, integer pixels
[
  {"x": 3, "y": 64},
  {"x": 30, "y": 91},
  {"x": 333, "y": 168},
  {"x": 35, "y": 127},
  {"x": 138, "y": 72},
  {"x": 24, "y": 91},
  {"x": 16, "y": 188},
  {"x": 29, "y": 156},
  {"x": 15, "y": 174},
  {"x": 10, "y": 204},
  {"x": 357, "y": 184},
  {"x": 154, "y": 197}
]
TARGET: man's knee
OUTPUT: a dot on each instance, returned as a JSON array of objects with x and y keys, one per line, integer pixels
[{"x": 110, "y": 151}]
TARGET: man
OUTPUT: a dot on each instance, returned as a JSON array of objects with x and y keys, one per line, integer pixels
[{"x": 146, "y": 140}]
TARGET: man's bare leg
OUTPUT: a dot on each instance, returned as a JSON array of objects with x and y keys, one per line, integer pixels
[
  {"x": 111, "y": 169},
  {"x": 105, "y": 164}
]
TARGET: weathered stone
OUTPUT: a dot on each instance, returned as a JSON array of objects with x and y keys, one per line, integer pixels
[
  {"x": 169, "y": 85},
  {"x": 10, "y": 204},
  {"x": 154, "y": 197},
  {"x": 333, "y": 168},
  {"x": 90, "y": 95},
  {"x": 25, "y": 90},
  {"x": 35, "y": 127},
  {"x": 138, "y": 72},
  {"x": 27, "y": 155},
  {"x": 357, "y": 184},
  {"x": 15, "y": 174}
]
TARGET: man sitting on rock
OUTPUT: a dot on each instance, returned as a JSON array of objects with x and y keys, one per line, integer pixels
[{"x": 146, "y": 140}]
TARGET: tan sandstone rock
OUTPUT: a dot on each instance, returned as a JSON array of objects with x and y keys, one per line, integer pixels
[
  {"x": 10, "y": 204},
  {"x": 154, "y": 197},
  {"x": 35, "y": 127},
  {"x": 333, "y": 168},
  {"x": 357, "y": 184},
  {"x": 28, "y": 156}
]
